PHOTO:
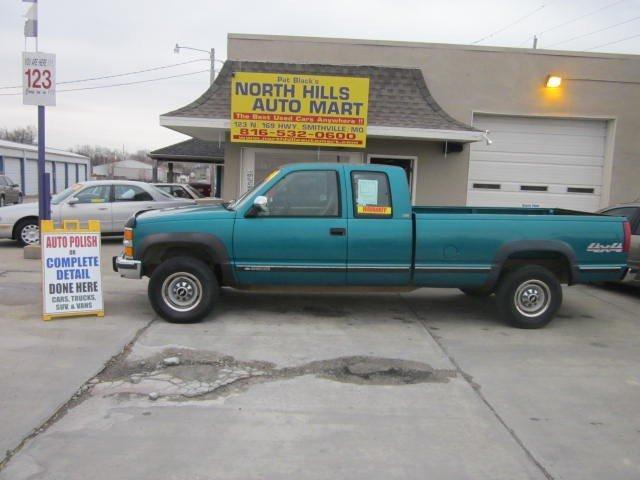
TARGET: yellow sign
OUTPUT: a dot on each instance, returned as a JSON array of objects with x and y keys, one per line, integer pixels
[
  {"x": 373, "y": 210},
  {"x": 291, "y": 109}
]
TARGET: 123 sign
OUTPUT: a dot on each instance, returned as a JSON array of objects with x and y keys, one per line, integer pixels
[{"x": 38, "y": 78}]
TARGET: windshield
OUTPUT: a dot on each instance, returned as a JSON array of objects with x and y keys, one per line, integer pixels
[
  {"x": 234, "y": 204},
  {"x": 193, "y": 191},
  {"x": 63, "y": 195}
]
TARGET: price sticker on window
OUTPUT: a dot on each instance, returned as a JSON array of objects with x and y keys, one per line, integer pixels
[{"x": 38, "y": 78}]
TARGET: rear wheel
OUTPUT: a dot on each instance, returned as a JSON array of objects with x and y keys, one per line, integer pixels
[
  {"x": 529, "y": 297},
  {"x": 28, "y": 232},
  {"x": 183, "y": 290}
]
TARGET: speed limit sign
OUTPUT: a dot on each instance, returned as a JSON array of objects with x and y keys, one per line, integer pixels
[{"x": 38, "y": 78}]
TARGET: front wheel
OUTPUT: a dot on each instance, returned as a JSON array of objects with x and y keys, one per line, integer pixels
[
  {"x": 28, "y": 232},
  {"x": 183, "y": 290},
  {"x": 529, "y": 297}
]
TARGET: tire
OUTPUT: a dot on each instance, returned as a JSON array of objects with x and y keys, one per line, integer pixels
[
  {"x": 183, "y": 290},
  {"x": 28, "y": 232},
  {"x": 477, "y": 292},
  {"x": 529, "y": 297}
]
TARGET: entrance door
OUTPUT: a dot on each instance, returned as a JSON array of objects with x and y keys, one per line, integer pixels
[
  {"x": 299, "y": 238},
  {"x": 405, "y": 163}
]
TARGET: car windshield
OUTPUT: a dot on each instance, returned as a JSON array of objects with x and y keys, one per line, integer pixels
[
  {"x": 63, "y": 195},
  {"x": 193, "y": 191},
  {"x": 236, "y": 203}
]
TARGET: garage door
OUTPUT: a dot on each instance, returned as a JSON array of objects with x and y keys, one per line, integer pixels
[
  {"x": 60, "y": 177},
  {"x": 31, "y": 177},
  {"x": 537, "y": 162},
  {"x": 12, "y": 170}
]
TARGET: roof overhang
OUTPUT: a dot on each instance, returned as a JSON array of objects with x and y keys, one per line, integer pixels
[{"x": 214, "y": 129}]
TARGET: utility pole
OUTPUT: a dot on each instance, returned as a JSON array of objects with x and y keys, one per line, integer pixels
[
  {"x": 535, "y": 42},
  {"x": 212, "y": 58}
]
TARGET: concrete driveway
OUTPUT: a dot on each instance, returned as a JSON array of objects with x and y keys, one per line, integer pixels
[{"x": 423, "y": 385}]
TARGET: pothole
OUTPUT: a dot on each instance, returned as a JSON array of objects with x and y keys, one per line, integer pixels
[{"x": 180, "y": 374}]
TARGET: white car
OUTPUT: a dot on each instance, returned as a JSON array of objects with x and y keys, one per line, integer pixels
[{"x": 111, "y": 202}]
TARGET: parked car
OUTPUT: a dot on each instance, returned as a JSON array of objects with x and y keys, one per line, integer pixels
[
  {"x": 630, "y": 211},
  {"x": 202, "y": 187},
  {"x": 9, "y": 191},
  {"x": 110, "y": 201},
  {"x": 182, "y": 190},
  {"x": 353, "y": 225}
]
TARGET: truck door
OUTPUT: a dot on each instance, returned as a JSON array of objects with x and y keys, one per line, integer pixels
[
  {"x": 300, "y": 238},
  {"x": 380, "y": 239}
]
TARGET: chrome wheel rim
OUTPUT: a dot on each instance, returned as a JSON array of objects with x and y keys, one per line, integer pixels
[
  {"x": 532, "y": 298},
  {"x": 182, "y": 291},
  {"x": 30, "y": 234}
]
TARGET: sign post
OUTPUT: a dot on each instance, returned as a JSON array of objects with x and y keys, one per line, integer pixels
[
  {"x": 39, "y": 88},
  {"x": 71, "y": 270}
]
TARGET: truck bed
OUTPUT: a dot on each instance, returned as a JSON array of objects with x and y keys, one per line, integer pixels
[{"x": 499, "y": 211}]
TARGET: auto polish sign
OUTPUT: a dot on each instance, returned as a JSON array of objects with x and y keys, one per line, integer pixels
[
  {"x": 292, "y": 109},
  {"x": 71, "y": 270}
]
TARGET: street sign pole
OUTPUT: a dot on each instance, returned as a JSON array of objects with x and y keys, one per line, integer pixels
[{"x": 44, "y": 201}]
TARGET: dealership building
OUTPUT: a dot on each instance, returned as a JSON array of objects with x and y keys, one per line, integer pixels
[
  {"x": 470, "y": 125},
  {"x": 19, "y": 162}
]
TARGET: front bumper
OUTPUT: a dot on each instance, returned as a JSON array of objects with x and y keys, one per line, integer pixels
[{"x": 126, "y": 267}]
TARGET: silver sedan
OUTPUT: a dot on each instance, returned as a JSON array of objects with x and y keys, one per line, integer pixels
[{"x": 111, "y": 202}]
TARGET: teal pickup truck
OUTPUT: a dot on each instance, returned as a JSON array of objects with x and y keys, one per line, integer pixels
[{"x": 344, "y": 225}]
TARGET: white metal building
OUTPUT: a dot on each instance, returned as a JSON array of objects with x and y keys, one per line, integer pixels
[{"x": 20, "y": 163}]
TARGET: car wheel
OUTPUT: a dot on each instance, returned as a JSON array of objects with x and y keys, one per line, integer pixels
[
  {"x": 28, "y": 232},
  {"x": 529, "y": 297},
  {"x": 183, "y": 290},
  {"x": 1, "y": 200},
  {"x": 477, "y": 292}
]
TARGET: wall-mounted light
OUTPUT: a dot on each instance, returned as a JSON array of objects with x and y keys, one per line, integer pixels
[{"x": 554, "y": 81}]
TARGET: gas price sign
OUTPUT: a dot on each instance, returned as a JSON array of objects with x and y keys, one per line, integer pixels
[{"x": 38, "y": 78}]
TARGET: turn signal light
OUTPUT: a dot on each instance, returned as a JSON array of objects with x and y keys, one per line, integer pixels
[
  {"x": 626, "y": 246},
  {"x": 128, "y": 252},
  {"x": 128, "y": 242}
]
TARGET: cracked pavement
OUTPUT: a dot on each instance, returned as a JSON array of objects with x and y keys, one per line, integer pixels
[{"x": 420, "y": 385}]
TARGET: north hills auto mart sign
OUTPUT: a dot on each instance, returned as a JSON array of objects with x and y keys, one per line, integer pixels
[{"x": 291, "y": 109}]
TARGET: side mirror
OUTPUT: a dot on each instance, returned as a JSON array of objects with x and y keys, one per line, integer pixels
[
  {"x": 260, "y": 203},
  {"x": 72, "y": 201}
]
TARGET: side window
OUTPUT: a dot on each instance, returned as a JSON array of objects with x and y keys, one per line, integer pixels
[
  {"x": 94, "y": 194},
  {"x": 131, "y": 193},
  {"x": 371, "y": 194},
  {"x": 164, "y": 188},
  {"x": 312, "y": 193}
]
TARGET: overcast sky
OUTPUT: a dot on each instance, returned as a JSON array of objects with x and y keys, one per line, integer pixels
[{"x": 94, "y": 38}]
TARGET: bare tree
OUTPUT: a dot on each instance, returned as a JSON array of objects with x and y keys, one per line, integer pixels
[{"x": 26, "y": 135}]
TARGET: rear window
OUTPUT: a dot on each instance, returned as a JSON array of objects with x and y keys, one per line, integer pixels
[{"x": 371, "y": 195}]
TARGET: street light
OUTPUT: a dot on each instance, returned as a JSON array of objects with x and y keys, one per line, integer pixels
[{"x": 212, "y": 58}]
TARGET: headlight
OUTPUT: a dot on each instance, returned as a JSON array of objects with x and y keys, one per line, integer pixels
[{"x": 128, "y": 242}]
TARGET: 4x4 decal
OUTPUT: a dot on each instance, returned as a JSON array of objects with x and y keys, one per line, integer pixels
[{"x": 597, "y": 247}]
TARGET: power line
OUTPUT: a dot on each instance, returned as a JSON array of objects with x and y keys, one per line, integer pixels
[
  {"x": 615, "y": 41},
  {"x": 524, "y": 17},
  {"x": 152, "y": 69},
  {"x": 575, "y": 19},
  {"x": 594, "y": 32},
  {"x": 119, "y": 84}
]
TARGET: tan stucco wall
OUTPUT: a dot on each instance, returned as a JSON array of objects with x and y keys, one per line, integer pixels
[{"x": 466, "y": 79}]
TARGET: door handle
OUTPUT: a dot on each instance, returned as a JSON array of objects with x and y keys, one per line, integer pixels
[
  {"x": 103, "y": 208},
  {"x": 341, "y": 232}
]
